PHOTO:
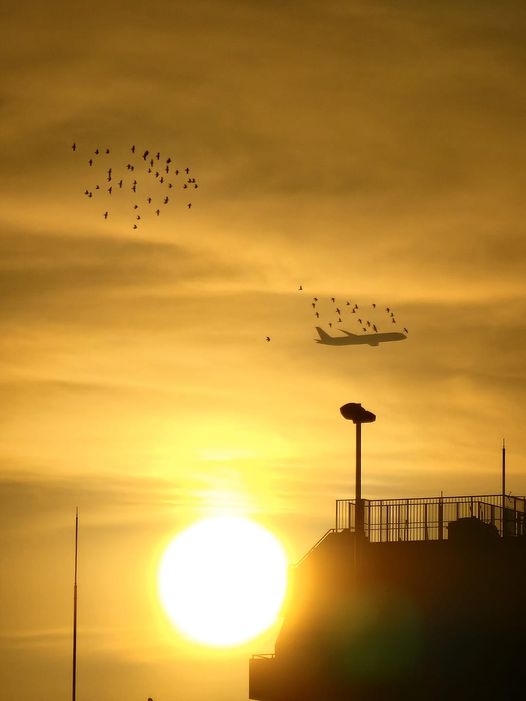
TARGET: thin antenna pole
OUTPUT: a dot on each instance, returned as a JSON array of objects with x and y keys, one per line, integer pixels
[
  {"x": 503, "y": 469},
  {"x": 74, "y": 686}
]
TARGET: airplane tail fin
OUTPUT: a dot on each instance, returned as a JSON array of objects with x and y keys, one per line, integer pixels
[{"x": 323, "y": 336}]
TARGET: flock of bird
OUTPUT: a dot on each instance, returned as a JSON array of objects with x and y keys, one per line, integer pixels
[
  {"x": 148, "y": 180},
  {"x": 370, "y": 318},
  {"x": 353, "y": 313}
]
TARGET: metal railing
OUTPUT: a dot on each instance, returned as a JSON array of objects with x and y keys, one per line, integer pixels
[{"x": 390, "y": 520}]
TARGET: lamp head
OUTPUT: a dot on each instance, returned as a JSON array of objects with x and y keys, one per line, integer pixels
[{"x": 357, "y": 414}]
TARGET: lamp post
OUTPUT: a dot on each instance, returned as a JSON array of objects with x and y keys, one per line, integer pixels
[{"x": 358, "y": 415}]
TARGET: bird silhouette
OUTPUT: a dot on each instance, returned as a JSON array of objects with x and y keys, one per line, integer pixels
[
  {"x": 315, "y": 299},
  {"x": 187, "y": 170},
  {"x": 333, "y": 299},
  {"x": 149, "y": 200},
  {"x": 110, "y": 189},
  {"x": 317, "y": 315},
  {"x": 170, "y": 185},
  {"x": 394, "y": 321},
  {"x": 97, "y": 152},
  {"x": 359, "y": 321},
  {"x": 338, "y": 310},
  {"x": 86, "y": 192},
  {"x": 166, "y": 200},
  {"x": 134, "y": 188},
  {"x": 177, "y": 172},
  {"x": 107, "y": 150},
  {"x": 364, "y": 329},
  {"x": 313, "y": 305},
  {"x": 105, "y": 215},
  {"x": 368, "y": 323},
  {"x": 356, "y": 306},
  {"x": 387, "y": 310},
  {"x": 189, "y": 205},
  {"x": 373, "y": 305},
  {"x": 90, "y": 162},
  {"x": 330, "y": 324},
  {"x": 405, "y": 330},
  {"x": 348, "y": 304},
  {"x": 138, "y": 216},
  {"x": 136, "y": 206},
  {"x": 161, "y": 180},
  {"x": 168, "y": 160},
  {"x": 185, "y": 186},
  {"x": 195, "y": 186},
  {"x": 167, "y": 169},
  {"x": 354, "y": 311},
  {"x": 151, "y": 162},
  {"x": 374, "y": 328},
  {"x": 158, "y": 155},
  {"x": 90, "y": 194},
  {"x": 156, "y": 173},
  {"x": 157, "y": 211},
  {"x": 135, "y": 226},
  {"x": 74, "y": 147},
  {"x": 267, "y": 339},
  {"x": 97, "y": 187},
  {"x": 120, "y": 183},
  {"x": 145, "y": 155},
  {"x": 392, "y": 313},
  {"x": 339, "y": 319}
]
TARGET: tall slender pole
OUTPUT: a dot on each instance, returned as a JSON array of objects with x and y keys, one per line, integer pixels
[
  {"x": 503, "y": 485},
  {"x": 358, "y": 481},
  {"x": 74, "y": 685}
]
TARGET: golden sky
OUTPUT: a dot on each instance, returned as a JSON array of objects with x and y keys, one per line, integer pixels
[{"x": 371, "y": 151}]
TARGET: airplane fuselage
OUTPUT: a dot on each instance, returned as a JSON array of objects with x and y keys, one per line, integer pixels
[{"x": 369, "y": 339}]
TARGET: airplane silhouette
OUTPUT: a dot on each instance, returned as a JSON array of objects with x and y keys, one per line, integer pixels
[{"x": 351, "y": 339}]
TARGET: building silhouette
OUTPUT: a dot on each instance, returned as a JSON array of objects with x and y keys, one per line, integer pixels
[{"x": 412, "y": 599}]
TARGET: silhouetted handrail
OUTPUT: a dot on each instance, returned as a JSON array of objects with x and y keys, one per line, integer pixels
[
  {"x": 427, "y": 518},
  {"x": 331, "y": 530}
]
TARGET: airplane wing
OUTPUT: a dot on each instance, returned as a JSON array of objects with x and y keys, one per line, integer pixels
[{"x": 347, "y": 332}]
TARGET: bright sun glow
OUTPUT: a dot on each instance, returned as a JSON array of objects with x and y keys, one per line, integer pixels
[{"x": 222, "y": 581}]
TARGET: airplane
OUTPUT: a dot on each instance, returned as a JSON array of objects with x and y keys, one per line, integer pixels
[{"x": 351, "y": 339}]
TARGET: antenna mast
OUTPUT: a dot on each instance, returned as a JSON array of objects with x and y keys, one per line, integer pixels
[{"x": 74, "y": 685}]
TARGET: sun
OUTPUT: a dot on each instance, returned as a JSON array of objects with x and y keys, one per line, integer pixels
[{"x": 222, "y": 581}]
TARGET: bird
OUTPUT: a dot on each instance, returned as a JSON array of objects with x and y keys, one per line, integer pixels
[
  {"x": 405, "y": 330},
  {"x": 187, "y": 170},
  {"x": 120, "y": 183},
  {"x": 138, "y": 217},
  {"x": 364, "y": 329},
  {"x": 359, "y": 321},
  {"x": 195, "y": 186},
  {"x": 374, "y": 328},
  {"x": 134, "y": 188},
  {"x": 356, "y": 306},
  {"x": 394, "y": 321},
  {"x": 86, "y": 192},
  {"x": 158, "y": 155},
  {"x": 97, "y": 187},
  {"x": 374, "y": 305},
  {"x": 128, "y": 166},
  {"x": 315, "y": 299},
  {"x": 109, "y": 171},
  {"x": 109, "y": 178},
  {"x": 313, "y": 305},
  {"x": 90, "y": 162},
  {"x": 268, "y": 339},
  {"x": 185, "y": 186},
  {"x": 338, "y": 310},
  {"x": 90, "y": 194},
  {"x": 392, "y": 313},
  {"x": 135, "y": 226},
  {"x": 157, "y": 211},
  {"x": 333, "y": 299},
  {"x": 300, "y": 288},
  {"x": 387, "y": 310},
  {"x": 170, "y": 185},
  {"x": 348, "y": 303},
  {"x": 167, "y": 169},
  {"x": 161, "y": 179},
  {"x": 369, "y": 323},
  {"x": 177, "y": 172},
  {"x": 97, "y": 152},
  {"x": 168, "y": 160},
  {"x": 136, "y": 206},
  {"x": 133, "y": 149},
  {"x": 166, "y": 200},
  {"x": 339, "y": 319},
  {"x": 354, "y": 311},
  {"x": 156, "y": 173},
  {"x": 107, "y": 150},
  {"x": 110, "y": 189},
  {"x": 317, "y": 315},
  {"x": 74, "y": 147},
  {"x": 330, "y": 324},
  {"x": 149, "y": 170},
  {"x": 132, "y": 168},
  {"x": 105, "y": 215},
  {"x": 189, "y": 205},
  {"x": 145, "y": 154},
  {"x": 149, "y": 200}
]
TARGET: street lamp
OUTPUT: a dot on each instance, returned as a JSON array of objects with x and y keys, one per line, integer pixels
[{"x": 358, "y": 415}]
